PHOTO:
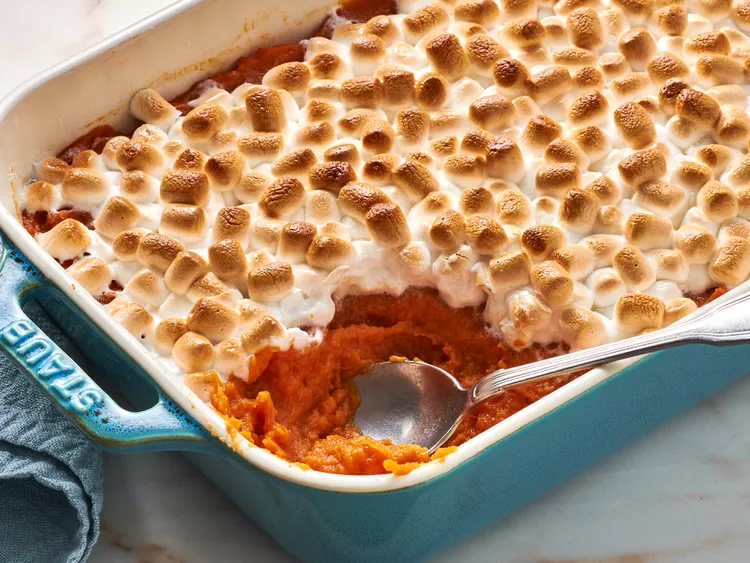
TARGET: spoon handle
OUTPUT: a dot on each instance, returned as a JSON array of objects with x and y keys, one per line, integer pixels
[{"x": 724, "y": 323}]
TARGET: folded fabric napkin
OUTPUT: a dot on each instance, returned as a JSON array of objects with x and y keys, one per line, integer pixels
[{"x": 50, "y": 474}]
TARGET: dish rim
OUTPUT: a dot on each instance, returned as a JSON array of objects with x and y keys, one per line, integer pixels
[{"x": 186, "y": 399}]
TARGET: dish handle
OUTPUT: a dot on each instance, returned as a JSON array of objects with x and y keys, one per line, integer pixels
[{"x": 165, "y": 426}]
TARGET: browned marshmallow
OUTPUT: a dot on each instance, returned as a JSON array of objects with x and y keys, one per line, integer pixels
[
  {"x": 638, "y": 46},
  {"x": 40, "y": 196},
  {"x": 168, "y": 332},
  {"x": 476, "y": 141},
  {"x": 505, "y": 160},
  {"x": 387, "y": 225},
  {"x": 636, "y": 312},
  {"x": 343, "y": 153},
  {"x": 578, "y": 210},
  {"x": 698, "y": 108},
  {"x": 493, "y": 113},
  {"x": 328, "y": 252},
  {"x": 224, "y": 169},
  {"x": 577, "y": 259},
  {"x": 593, "y": 141},
  {"x": 204, "y": 122},
  {"x": 591, "y": 108},
  {"x": 185, "y": 186},
  {"x": 540, "y": 131},
  {"x": 552, "y": 283},
  {"x": 483, "y": 52},
  {"x": 676, "y": 309},
  {"x": 643, "y": 166},
  {"x": 412, "y": 125},
  {"x": 582, "y": 328},
  {"x": 731, "y": 266},
  {"x": 425, "y": 19},
  {"x": 356, "y": 199},
  {"x": 294, "y": 241},
  {"x": 540, "y": 241},
  {"x": 270, "y": 282},
  {"x": 733, "y": 128},
  {"x": 525, "y": 32},
  {"x": 513, "y": 208},
  {"x": 296, "y": 163},
  {"x": 485, "y": 235},
  {"x": 718, "y": 201},
  {"x": 149, "y": 106},
  {"x": 695, "y": 243},
  {"x": 716, "y": 157},
  {"x": 384, "y": 27},
  {"x": 283, "y": 197},
  {"x": 261, "y": 333},
  {"x": 510, "y": 76},
  {"x": 647, "y": 231},
  {"x": 465, "y": 170},
  {"x": 134, "y": 318},
  {"x": 548, "y": 84},
  {"x": 415, "y": 180},
  {"x": 585, "y": 29},
  {"x": 116, "y": 215},
  {"x": 482, "y": 12},
  {"x": 293, "y": 77},
  {"x": 186, "y": 267},
  {"x": 476, "y": 199},
  {"x": 227, "y": 260},
  {"x": 663, "y": 198},
  {"x": 635, "y": 125},
  {"x": 378, "y": 169},
  {"x": 82, "y": 185},
  {"x": 53, "y": 170},
  {"x": 362, "y": 92},
  {"x": 565, "y": 151},
  {"x": 634, "y": 269},
  {"x": 378, "y": 136},
  {"x": 125, "y": 245},
  {"x": 510, "y": 270},
  {"x": 692, "y": 175},
  {"x": 557, "y": 179},
  {"x": 193, "y": 352},
  {"x": 431, "y": 91},
  {"x": 398, "y": 86},
  {"x": 158, "y": 251},
  {"x": 261, "y": 147},
  {"x": 147, "y": 288},
  {"x": 448, "y": 230},
  {"x": 92, "y": 274}
]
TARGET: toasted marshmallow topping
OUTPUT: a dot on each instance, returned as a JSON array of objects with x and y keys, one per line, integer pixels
[{"x": 579, "y": 164}]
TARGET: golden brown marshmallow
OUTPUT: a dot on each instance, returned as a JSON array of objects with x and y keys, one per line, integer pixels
[
  {"x": 647, "y": 231},
  {"x": 692, "y": 175},
  {"x": 296, "y": 163},
  {"x": 716, "y": 157},
  {"x": 510, "y": 76},
  {"x": 193, "y": 352},
  {"x": 66, "y": 240},
  {"x": 582, "y": 328},
  {"x": 92, "y": 274},
  {"x": 552, "y": 283},
  {"x": 186, "y": 267},
  {"x": 731, "y": 266},
  {"x": 557, "y": 179},
  {"x": 675, "y": 309},
  {"x": 476, "y": 141},
  {"x": 698, "y": 108},
  {"x": 398, "y": 86},
  {"x": 593, "y": 141},
  {"x": 635, "y": 125},
  {"x": 485, "y": 235},
  {"x": 294, "y": 241},
  {"x": 203, "y": 122},
  {"x": 548, "y": 84},
  {"x": 190, "y": 159},
  {"x": 227, "y": 260},
  {"x": 476, "y": 199},
  {"x": 378, "y": 136},
  {"x": 540, "y": 131},
  {"x": 384, "y": 27},
  {"x": 588, "y": 109},
  {"x": 294, "y": 77},
  {"x": 634, "y": 269},
  {"x": 116, "y": 215},
  {"x": 638, "y": 46},
  {"x": 185, "y": 186},
  {"x": 510, "y": 270},
  {"x": 362, "y": 92},
  {"x": 482, "y": 12},
  {"x": 493, "y": 113},
  {"x": 168, "y": 332},
  {"x": 525, "y": 32},
  {"x": 135, "y": 319},
  {"x": 261, "y": 147},
  {"x": 483, "y": 52},
  {"x": 415, "y": 180},
  {"x": 327, "y": 253},
  {"x": 464, "y": 170},
  {"x": 212, "y": 319},
  {"x": 158, "y": 251},
  {"x": 423, "y": 20},
  {"x": 343, "y": 153},
  {"x": 431, "y": 91},
  {"x": 505, "y": 160},
  {"x": 232, "y": 223},
  {"x": 147, "y": 288},
  {"x": 513, "y": 208},
  {"x": 585, "y": 28},
  {"x": 82, "y": 185},
  {"x": 378, "y": 169},
  {"x": 672, "y": 19},
  {"x": 578, "y": 210},
  {"x": 577, "y": 259},
  {"x": 283, "y": 197},
  {"x": 53, "y": 170},
  {"x": 224, "y": 169},
  {"x": 733, "y": 128},
  {"x": 695, "y": 243},
  {"x": 718, "y": 201},
  {"x": 663, "y": 198},
  {"x": 387, "y": 225},
  {"x": 40, "y": 196},
  {"x": 540, "y": 241},
  {"x": 149, "y": 106},
  {"x": 412, "y": 125},
  {"x": 356, "y": 199},
  {"x": 207, "y": 285},
  {"x": 636, "y": 312},
  {"x": 448, "y": 230},
  {"x": 643, "y": 166},
  {"x": 565, "y": 151}
]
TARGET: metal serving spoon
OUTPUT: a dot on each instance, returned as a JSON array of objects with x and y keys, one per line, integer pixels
[{"x": 418, "y": 403}]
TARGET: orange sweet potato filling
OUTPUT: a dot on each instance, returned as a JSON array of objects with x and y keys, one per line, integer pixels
[{"x": 310, "y": 392}]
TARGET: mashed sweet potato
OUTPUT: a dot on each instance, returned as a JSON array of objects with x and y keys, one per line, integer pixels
[{"x": 311, "y": 392}]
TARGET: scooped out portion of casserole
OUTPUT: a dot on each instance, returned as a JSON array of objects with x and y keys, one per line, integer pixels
[{"x": 476, "y": 184}]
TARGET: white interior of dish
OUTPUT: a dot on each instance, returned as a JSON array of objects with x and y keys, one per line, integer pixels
[{"x": 162, "y": 52}]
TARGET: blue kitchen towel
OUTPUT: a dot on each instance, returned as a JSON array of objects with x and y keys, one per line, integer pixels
[{"x": 50, "y": 474}]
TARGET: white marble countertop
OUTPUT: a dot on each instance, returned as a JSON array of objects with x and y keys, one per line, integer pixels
[{"x": 682, "y": 495}]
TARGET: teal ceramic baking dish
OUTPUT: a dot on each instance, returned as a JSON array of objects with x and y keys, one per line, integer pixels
[{"x": 315, "y": 516}]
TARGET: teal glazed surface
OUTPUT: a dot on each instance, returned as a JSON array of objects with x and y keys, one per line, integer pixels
[
  {"x": 163, "y": 426},
  {"x": 317, "y": 525}
]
